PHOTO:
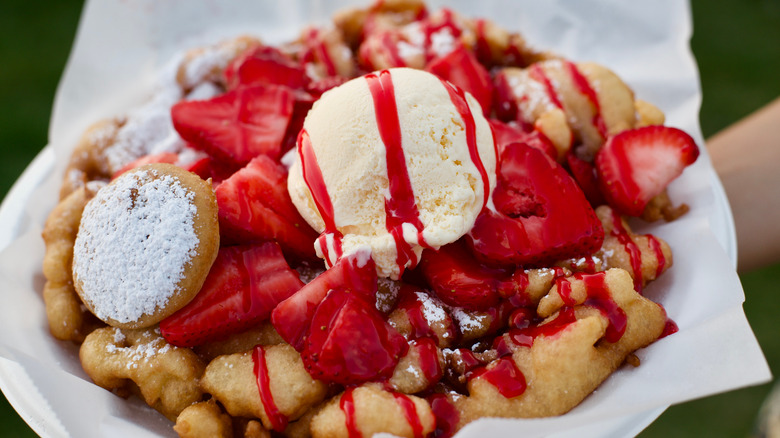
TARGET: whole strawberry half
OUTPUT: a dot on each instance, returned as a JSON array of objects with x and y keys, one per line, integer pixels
[
  {"x": 462, "y": 68},
  {"x": 238, "y": 125},
  {"x": 244, "y": 285},
  {"x": 541, "y": 214},
  {"x": 254, "y": 205},
  {"x": 292, "y": 317},
  {"x": 636, "y": 165},
  {"x": 350, "y": 342}
]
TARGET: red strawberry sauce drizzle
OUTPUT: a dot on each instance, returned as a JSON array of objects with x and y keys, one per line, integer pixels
[
  {"x": 420, "y": 326},
  {"x": 312, "y": 176},
  {"x": 482, "y": 46},
  {"x": 275, "y": 417},
  {"x": 347, "y": 405},
  {"x": 429, "y": 359},
  {"x": 583, "y": 86},
  {"x": 400, "y": 206},
  {"x": 655, "y": 245},
  {"x": 634, "y": 254},
  {"x": 599, "y": 297},
  {"x": 410, "y": 413},
  {"x": 505, "y": 376},
  {"x": 317, "y": 49},
  {"x": 458, "y": 98},
  {"x": 537, "y": 72},
  {"x": 446, "y": 415},
  {"x": 669, "y": 328}
]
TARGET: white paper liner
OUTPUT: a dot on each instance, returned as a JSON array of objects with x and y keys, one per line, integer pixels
[{"x": 122, "y": 44}]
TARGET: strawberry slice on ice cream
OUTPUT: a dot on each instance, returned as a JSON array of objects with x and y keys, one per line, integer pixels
[{"x": 637, "y": 165}]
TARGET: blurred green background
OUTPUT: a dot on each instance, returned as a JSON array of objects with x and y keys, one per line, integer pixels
[{"x": 737, "y": 46}]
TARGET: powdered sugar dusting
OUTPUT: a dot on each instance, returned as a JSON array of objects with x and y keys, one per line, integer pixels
[
  {"x": 135, "y": 239},
  {"x": 139, "y": 353},
  {"x": 431, "y": 310}
]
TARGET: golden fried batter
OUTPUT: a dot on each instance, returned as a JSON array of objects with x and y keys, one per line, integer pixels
[
  {"x": 127, "y": 361},
  {"x": 232, "y": 381},
  {"x": 203, "y": 420},
  {"x": 68, "y": 319},
  {"x": 376, "y": 410}
]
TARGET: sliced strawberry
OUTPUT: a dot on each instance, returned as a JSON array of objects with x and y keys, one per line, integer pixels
[
  {"x": 511, "y": 132},
  {"x": 585, "y": 174},
  {"x": 265, "y": 65},
  {"x": 459, "y": 279},
  {"x": 164, "y": 157},
  {"x": 462, "y": 68},
  {"x": 254, "y": 205},
  {"x": 244, "y": 285},
  {"x": 292, "y": 317},
  {"x": 542, "y": 215},
  {"x": 350, "y": 342},
  {"x": 238, "y": 125},
  {"x": 636, "y": 165}
]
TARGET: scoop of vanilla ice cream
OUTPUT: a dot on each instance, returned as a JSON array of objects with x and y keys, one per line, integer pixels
[{"x": 446, "y": 175}]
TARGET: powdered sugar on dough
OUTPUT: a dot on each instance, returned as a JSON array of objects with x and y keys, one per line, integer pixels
[{"x": 135, "y": 239}]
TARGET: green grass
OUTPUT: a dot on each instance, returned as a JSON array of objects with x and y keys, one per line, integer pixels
[{"x": 736, "y": 45}]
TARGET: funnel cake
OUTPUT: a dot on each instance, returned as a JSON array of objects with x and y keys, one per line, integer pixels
[
  {"x": 401, "y": 222},
  {"x": 145, "y": 244}
]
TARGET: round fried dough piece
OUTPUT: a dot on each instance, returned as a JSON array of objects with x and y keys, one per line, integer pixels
[
  {"x": 68, "y": 319},
  {"x": 145, "y": 245}
]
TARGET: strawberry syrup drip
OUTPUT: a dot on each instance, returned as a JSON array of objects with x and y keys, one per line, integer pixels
[
  {"x": 583, "y": 86},
  {"x": 634, "y": 254},
  {"x": 429, "y": 360},
  {"x": 420, "y": 326},
  {"x": 446, "y": 415},
  {"x": 525, "y": 337},
  {"x": 669, "y": 328},
  {"x": 410, "y": 413},
  {"x": 318, "y": 50},
  {"x": 505, "y": 376},
  {"x": 347, "y": 405},
  {"x": 400, "y": 206},
  {"x": 458, "y": 98},
  {"x": 390, "y": 46},
  {"x": 537, "y": 73},
  {"x": 517, "y": 289},
  {"x": 501, "y": 346},
  {"x": 482, "y": 47},
  {"x": 312, "y": 176},
  {"x": 275, "y": 417},
  {"x": 655, "y": 246},
  {"x": 597, "y": 296},
  {"x": 447, "y": 24}
]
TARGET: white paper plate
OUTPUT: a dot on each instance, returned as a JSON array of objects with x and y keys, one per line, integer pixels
[{"x": 21, "y": 392}]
